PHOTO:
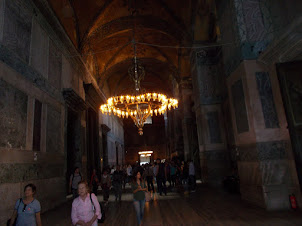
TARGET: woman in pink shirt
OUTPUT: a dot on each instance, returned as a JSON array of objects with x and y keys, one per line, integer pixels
[{"x": 85, "y": 211}]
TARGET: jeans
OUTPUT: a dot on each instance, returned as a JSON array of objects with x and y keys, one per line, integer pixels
[
  {"x": 75, "y": 193},
  {"x": 106, "y": 194},
  {"x": 139, "y": 206},
  {"x": 161, "y": 185},
  {"x": 118, "y": 191},
  {"x": 192, "y": 182}
]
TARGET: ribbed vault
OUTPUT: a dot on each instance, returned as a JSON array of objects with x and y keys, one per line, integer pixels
[{"x": 102, "y": 30}]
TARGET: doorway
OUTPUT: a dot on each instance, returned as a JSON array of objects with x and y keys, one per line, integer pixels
[
  {"x": 145, "y": 157},
  {"x": 93, "y": 155},
  {"x": 73, "y": 146}
]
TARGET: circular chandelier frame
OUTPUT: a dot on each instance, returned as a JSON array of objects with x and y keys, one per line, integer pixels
[{"x": 139, "y": 107}]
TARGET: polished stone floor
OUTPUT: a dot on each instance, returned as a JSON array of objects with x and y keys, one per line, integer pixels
[{"x": 204, "y": 207}]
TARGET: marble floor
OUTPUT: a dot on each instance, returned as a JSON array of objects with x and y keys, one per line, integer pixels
[{"x": 204, "y": 207}]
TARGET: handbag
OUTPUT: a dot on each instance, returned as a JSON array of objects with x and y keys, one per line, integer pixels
[
  {"x": 102, "y": 210},
  {"x": 9, "y": 220},
  {"x": 148, "y": 196}
]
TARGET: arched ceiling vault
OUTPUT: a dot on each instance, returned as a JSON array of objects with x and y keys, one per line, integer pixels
[{"x": 102, "y": 30}]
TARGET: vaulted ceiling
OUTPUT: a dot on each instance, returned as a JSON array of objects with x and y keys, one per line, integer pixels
[{"x": 102, "y": 30}]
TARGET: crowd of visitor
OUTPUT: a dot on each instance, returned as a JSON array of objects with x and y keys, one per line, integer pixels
[{"x": 86, "y": 210}]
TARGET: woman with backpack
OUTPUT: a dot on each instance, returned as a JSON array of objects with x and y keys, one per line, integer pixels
[
  {"x": 85, "y": 209},
  {"x": 27, "y": 210}
]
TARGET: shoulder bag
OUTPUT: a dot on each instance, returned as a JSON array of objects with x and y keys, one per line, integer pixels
[{"x": 9, "y": 220}]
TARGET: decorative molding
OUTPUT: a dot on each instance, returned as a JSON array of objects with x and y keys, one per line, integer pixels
[
  {"x": 73, "y": 100},
  {"x": 264, "y": 151}
]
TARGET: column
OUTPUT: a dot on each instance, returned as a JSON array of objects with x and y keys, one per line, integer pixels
[
  {"x": 266, "y": 165},
  {"x": 188, "y": 128},
  {"x": 208, "y": 89}
]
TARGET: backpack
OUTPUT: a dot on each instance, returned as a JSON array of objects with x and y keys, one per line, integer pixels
[{"x": 102, "y": 210}]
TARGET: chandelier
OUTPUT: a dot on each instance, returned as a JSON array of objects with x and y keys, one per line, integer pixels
[{"x": 140, "y": 105}]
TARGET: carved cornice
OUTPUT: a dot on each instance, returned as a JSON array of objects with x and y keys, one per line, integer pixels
[
  {"x": 287, "y": 47},
  {"x": 73, "y": 100}
]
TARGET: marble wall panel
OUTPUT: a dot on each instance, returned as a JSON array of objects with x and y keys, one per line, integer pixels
[
  {"x": 12, "y": 193},
  {"x": 17, "y": 28},
  {"x": 275, "y": 172},
  {"x": 276, "y": 197},
  {"x": 249, "y": 173},
  {"x": 214, "y": 128},
  {"x": 1, "y": 19},
  {"x": 240, "y": 107},
  {"x": 53, "y": 130},
  {"x": 13, "y": 116},
  {"x": 54, "y": 65},
  {"x": 252, "y": 194},
  {"x": 267, "y": 100},
  {"x": 14, "y": 173},
  {"x": 39, "y": 49},
  {"x": 272, "y": 150},
  {"x": 262, "y": 151},
  {"x": 215, "y": 155}
]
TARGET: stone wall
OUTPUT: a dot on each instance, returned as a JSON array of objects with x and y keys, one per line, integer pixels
[
  {"x": 34, "y": 72},
  {"x": 115, "y": 139}
]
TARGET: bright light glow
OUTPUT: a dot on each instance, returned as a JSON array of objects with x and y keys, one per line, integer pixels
[
  {"x": 139, "y": 107},
  {"x": 145, "y": 152}
]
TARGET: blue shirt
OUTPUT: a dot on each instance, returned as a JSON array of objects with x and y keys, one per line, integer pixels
[{"x": 28, "y": 216}]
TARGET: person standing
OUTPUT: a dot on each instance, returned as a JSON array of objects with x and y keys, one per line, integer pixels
[
  {"x": 192, "y": 179},
  {"x": 85, "y": 208},
  {"x": 27, "y": 210},
  {"x": 160, "y": 177},
  {"x": 139, "y": 188},
  {"x": 149, "y": 177},
  {"x": 173, "y": 174},
  {"x": 94, "y": 182},
  {"x": 167, "y": 173},
  {"x": 75, "y": 178},
  {"x": 105, "y": 184},
  {"x": 117, "y": 182},
  {"x": 129, "y": 173}
]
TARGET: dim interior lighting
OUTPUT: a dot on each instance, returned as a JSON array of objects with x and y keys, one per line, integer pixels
[
  {"x": 145, "y": 152},
  {"x": 141, "y": 105}
]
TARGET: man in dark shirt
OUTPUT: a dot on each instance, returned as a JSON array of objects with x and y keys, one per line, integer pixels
[
  {"x": 117, "y": 182},
  {"x": 160, "y": 177}
]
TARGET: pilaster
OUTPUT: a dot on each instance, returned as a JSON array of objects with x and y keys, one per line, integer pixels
[{"x": 208, "y": 87}]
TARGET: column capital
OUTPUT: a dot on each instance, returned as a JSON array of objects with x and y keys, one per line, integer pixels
[{"x": 206, "y": 56}]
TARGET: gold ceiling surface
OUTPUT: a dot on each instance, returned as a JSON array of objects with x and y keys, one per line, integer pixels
[{"x": 102, "y": 31}]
